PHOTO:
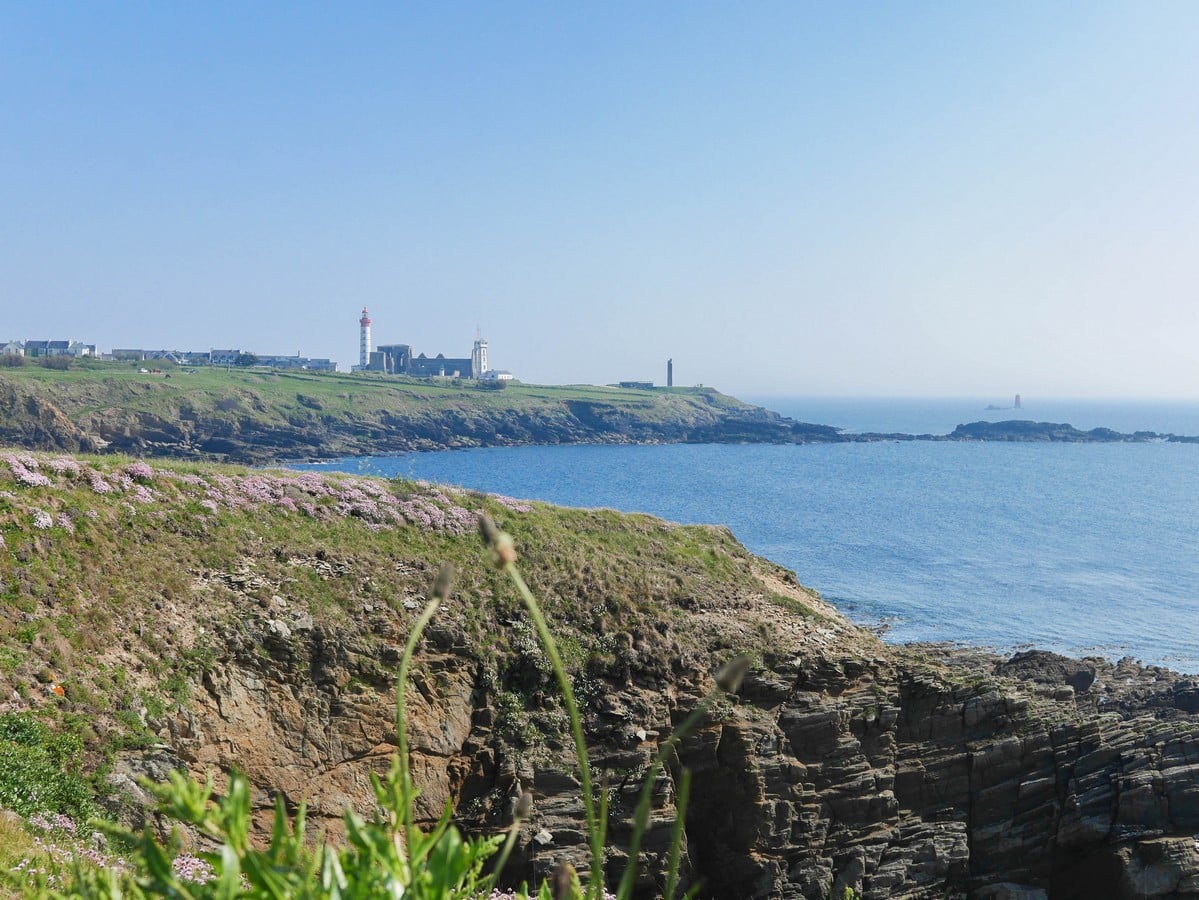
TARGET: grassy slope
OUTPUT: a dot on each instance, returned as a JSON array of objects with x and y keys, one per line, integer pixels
[
  {"x": 122, "y": 583},
  {"x": 92, "y": 386}
]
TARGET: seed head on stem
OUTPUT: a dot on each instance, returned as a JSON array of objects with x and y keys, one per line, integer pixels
[{"x": 499, "y": 541}]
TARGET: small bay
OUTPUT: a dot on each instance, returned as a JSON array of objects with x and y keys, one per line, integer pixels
[{"x": 1085, "y": 549}]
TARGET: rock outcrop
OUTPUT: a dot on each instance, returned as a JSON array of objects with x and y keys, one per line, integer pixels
[{"x": 840, "y": 763}]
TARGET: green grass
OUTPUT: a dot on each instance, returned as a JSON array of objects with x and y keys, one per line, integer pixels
[{"x": 798, "y": 607}]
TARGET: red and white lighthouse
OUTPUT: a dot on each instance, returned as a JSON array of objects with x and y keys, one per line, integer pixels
[{"x": 364, "y": 340}]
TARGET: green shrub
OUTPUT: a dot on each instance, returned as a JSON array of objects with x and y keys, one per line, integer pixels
[{"x": 39, "y": 769}]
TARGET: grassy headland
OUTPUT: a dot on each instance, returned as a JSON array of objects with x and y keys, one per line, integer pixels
[{"x": 256, "y": 416}]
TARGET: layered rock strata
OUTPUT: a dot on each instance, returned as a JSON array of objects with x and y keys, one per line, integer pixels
[{"x": 840, "y": 763}]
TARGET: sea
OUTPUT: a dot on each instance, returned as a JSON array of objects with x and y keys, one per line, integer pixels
[{"x": 1083, "y": 549}]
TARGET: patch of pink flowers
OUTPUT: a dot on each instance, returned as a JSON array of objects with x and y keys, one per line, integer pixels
[
  {"x": 24, "y": 470},
  {"x": 325, "y": 497},
  {"x": 511, "y": 503},
  {"x": 143, "y": 494},
  {"x": 99, "y": 485},
  {"x": 63, "y": 465},
  {"x": 56, "y": 822},
  {"x": 62, "y": 857},
  {"x": 193, "y": 869},
  {"x": 139, "y": 471}
]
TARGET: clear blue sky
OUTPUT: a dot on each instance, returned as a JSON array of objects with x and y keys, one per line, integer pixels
[{"x": 866, "y": 198}]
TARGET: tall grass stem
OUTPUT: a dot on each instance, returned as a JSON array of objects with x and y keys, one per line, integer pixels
[{"x": 595, "y": 828}]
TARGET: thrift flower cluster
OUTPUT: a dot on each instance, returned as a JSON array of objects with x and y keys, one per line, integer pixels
[
  {"x": 62, "y": 845},
  {"x": 56, "y": 822},
  {"x": 512, "y": 503},
  {"x": 316, "y": 495},
  {"x": 25, "y": 470},
  {"x": 59, "y": 847}
]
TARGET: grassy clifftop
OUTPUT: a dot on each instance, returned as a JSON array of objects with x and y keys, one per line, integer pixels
[
  {"x": 137, "y": 601},
  {"x": 258, "y": 416}
]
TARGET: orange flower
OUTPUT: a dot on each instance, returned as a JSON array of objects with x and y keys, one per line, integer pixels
[{"x": 59, "y": 691}]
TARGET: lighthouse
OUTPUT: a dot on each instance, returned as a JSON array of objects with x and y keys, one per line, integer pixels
[
  {"x": 478, "y": 356},
  {"x": 364, "y": 340}
]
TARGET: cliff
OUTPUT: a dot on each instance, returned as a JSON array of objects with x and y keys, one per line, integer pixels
[{"x": 206, "y": 617}]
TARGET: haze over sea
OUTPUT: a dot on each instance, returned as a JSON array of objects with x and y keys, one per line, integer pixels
[{"x": 1085, "y": 549}]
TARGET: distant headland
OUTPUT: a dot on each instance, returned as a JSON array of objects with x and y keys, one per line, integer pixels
[{"x": 259, "y": 416}]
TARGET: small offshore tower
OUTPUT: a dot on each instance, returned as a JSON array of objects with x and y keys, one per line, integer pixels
[
  {"x": 364, "y": 339},
  {"x": 670, "y": 373},
  {"x": 1017, "y": 404}
]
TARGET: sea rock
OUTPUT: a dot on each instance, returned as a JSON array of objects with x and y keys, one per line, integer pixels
[{"x": 1049, "y": 668}]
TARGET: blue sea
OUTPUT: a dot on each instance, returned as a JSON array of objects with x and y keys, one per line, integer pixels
[{"x": 1079, "y": 548}]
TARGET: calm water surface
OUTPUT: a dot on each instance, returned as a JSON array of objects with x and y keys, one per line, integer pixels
[{"x": 1083, "y": 549}]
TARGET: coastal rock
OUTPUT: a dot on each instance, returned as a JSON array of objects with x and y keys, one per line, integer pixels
[
  {"x": 1049, "y": 668},
  {"x": 901, "y": 776}
]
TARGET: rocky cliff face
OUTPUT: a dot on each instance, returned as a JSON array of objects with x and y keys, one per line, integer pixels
[{"x": 897, "y": 772}]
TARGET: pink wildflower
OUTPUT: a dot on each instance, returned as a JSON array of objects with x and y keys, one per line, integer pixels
[
  {"x": 193, "y": 869},
  {"x": 63, "y": 465},
  {"x": 24, "y": 470},
  {"x": 510, "y": 503},
  {"x": 139, "y": 471}
]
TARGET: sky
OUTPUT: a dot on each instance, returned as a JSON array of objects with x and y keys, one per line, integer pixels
[{"x": 868, "y": 198}]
